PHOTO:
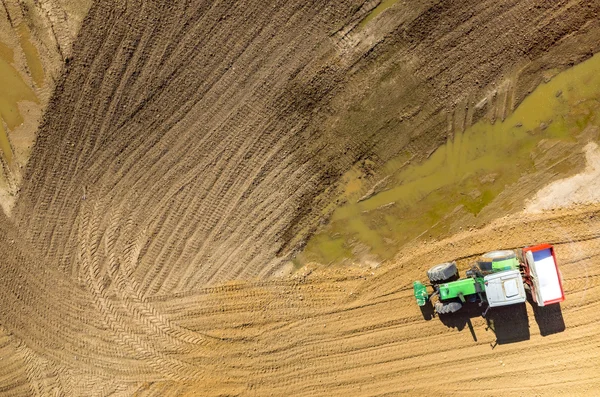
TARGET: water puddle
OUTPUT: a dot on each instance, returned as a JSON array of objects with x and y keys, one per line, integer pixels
[
  {"x": 13, "y": 90},
  {"x": 384, "y": 5},
  {"x": 32, "y": 56},
  {"x": 462, "y": 176},
  {"x": 6, "y": 53}
]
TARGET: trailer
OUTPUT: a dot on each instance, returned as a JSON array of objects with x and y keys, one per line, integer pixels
[
  {"x": 541, "y": 274},
  {"x": 499, "y": 278}
]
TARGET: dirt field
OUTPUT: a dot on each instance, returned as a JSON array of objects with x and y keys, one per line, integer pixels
[
  {"x": 36, "y": 39},
  {"x": 190, "y": 149}
]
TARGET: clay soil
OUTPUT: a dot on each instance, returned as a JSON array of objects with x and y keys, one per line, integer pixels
[{"x": 190, "y": 149}]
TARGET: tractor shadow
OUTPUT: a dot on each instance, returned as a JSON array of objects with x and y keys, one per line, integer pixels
[
  {"x": 510, "y": 324},
  {"x": 462, "y": 318},
  {"x": 428, "y": 311},
  {"x": 548, "y": 318}
]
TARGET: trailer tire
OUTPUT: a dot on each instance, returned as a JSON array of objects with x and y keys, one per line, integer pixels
[
  {"x": 447, "y": 307},
  {"x": 485, "y": 263},
  {"x": 442, "y": 272}
]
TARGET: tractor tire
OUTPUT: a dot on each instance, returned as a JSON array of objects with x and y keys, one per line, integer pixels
[
  {"x": 447, "y": 307},
  {"x": 485, "y": 263},
  {"x": 442, "y": 272}
]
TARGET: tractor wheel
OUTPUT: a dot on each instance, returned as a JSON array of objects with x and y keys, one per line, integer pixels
[
  {"x": 485, "y": 263},
  {"x": 442, "y": 272},
  {"x": 447, "y": 307}
]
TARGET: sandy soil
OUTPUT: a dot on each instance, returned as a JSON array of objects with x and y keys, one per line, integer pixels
[
  {"x": 325, "y": 332},
  {"x": 583, "y": 188},
  {"x": 190, "y": 148}
]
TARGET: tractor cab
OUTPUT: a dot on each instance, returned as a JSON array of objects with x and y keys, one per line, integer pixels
[{"x": 504, "y": 288}]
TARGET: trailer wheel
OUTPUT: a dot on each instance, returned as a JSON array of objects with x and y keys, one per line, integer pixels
[
  {"x": 485, "y": 263},
  {"x": 442, "y": 272},
  {"x": 447, "y": 307}
]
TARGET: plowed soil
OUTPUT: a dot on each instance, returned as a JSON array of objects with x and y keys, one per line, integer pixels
[{"x": 190, "y": 149}]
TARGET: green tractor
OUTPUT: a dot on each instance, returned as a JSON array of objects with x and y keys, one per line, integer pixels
[{"x": 496, "y": 280}]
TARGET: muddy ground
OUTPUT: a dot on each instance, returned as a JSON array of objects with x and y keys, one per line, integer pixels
[
  {"x": 190, "y": 149},
  {"x": 36, "y": 39}
]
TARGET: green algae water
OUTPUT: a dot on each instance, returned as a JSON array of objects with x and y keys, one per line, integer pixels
[
  {"x": 384, "y": 5},
  {"x": 6, "y": 53},
  {"x": 466, "y": 174},
  {"x": 31, "y": 56},
  {"x": 12, "y": 90}
]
